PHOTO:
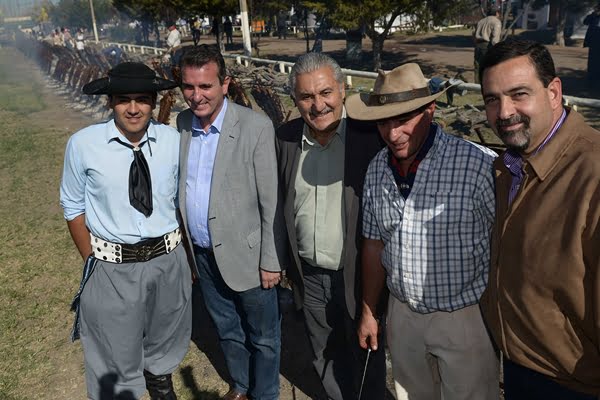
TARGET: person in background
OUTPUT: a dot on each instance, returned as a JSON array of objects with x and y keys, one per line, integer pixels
[
  {"x": 228, "y": 29},
  {"x": 80, "y": 40},
  {"x": 173, "y": 38},
  {"x": 196, "y": 27},
  {"x": 487, "y": 33},
  {"x": 282, "y": 25},
  {"x": 592, "y": 42}
]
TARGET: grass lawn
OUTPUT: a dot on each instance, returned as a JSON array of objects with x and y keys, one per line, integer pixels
[{"x": 38, "y": 267}]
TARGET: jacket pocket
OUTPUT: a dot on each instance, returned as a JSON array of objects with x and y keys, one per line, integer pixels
[{"x": 254, "y": 238}]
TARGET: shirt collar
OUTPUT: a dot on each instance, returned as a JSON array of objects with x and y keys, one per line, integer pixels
[
  {"x": 340, "y": 131},
  {"x": 513, "y": 161},
  {"x": 394, "y": 163},
  {"x": 542, "y": 162},
  {"x": 215, "y": 127},
  {"x": 112, "y": 132}
]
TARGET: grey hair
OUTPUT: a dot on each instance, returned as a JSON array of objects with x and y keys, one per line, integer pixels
[{"x": 311, "y": 62}]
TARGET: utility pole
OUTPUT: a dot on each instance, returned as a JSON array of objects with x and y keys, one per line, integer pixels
[
  {"x": 94, "y": 20},
  {"x": 245, "y": 29}
]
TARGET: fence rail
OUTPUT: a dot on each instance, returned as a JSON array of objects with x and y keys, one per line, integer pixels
[{"x": 285, "y": 66}]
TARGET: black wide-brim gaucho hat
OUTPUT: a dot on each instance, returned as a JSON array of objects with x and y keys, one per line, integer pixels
[{"x": 129, "y": 77}]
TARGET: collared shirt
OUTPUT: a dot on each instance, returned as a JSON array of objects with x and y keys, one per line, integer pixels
[
  {"x": 541, "y": 304},
  {"x": 95, "y": 182},
  {"x": 437, "y": 241},
  {"x": 201, "y": 160},
  {"x": 319, "y": 201},
  {"x": 488, "y": 29},
  {"x": 514, "y": 162},
  {"x": 174, "y": 38}
]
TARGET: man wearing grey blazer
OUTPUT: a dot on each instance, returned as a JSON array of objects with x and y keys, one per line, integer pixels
[
  {"x": 228, "y": 196},
  {"x": 322, "y": 160}
]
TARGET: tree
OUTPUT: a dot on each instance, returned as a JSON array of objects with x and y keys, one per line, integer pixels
[
  {"x": 155, "y": 11},
  {"x": 564, "y": 7},
  {"x": 376, "y": 17},
  {"x": 76, "y": 13}
]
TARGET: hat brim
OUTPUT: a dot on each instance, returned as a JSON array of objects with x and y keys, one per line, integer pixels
[
  {"x": 116, "y": 85},
  {"x": 357, "y": 107}
]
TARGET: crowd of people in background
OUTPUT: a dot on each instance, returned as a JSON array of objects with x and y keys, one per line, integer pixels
[{"x": 391, "y": 233}]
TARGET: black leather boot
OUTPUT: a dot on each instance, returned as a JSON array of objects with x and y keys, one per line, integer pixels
[{"x": 160, "y": 387}]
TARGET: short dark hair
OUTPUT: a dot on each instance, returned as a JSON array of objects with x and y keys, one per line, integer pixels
[
  {"x": 511, "y": 48},
  {"x": 198, "y": 56}
]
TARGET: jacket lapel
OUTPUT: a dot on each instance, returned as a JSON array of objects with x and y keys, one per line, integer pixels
[
  {"x": 184, "y": 149},
  {"x": 230, "y": 133},
  {"x": 294, "y": 150},
  {"x": 350, "y": 196}
]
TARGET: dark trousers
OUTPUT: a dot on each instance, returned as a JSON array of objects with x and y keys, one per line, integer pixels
[
  {"x": 522, "y": 383},
  {"x": 249, "y": 328},
  {"x": 593, "y": 68},
  {"x": 481, "y": 49},
  {"x": 339, "y": 360}
]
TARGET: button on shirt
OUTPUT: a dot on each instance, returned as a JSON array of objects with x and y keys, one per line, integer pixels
[
  {"x": 437, "y": 240},
  {"x": 95, "y": 182},
  {"x": 319, "y": 200},
  {"x": 201, "y": 160}
]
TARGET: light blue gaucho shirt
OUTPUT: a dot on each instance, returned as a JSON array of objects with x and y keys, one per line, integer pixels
[
  {"x": 201, "y": 161},
  {"x": 95, "y": 182}
]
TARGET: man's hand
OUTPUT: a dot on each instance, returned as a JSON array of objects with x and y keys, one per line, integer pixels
[
  {"x": 367, "y": 332},
  {"x": 269, "y": 279}
]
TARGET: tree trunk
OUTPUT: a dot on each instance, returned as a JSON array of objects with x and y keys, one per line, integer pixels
[
  {"x": 378, "y": 40},
  {"x": 354, "y": 45},
  {"x": 560, "y": 25}
]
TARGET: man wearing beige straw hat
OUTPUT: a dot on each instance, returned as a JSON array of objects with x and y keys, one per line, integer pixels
[{"x": 428, "y": 209}]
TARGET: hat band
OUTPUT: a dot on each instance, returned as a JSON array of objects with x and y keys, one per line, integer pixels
[{"x": 383, "y": 99}]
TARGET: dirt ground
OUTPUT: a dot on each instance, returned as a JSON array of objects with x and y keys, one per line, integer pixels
[
  {"x": 448, "y": 53},
  {"x": 203, "y": 375}
]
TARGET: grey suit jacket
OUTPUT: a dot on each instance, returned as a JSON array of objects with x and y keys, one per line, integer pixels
[
  {"x": 362, "y": 143},
  {"x": 245, "y": 215}
]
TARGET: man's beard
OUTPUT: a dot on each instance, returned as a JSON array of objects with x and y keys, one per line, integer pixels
[{"x": 518, "y": 139}]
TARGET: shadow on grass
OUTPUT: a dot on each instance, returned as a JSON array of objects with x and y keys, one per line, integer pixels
[
  {"x": 187, "y": 378},
  {"x": 296, "y": 353}
]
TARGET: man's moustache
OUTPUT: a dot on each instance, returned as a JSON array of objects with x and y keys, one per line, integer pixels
[{"x": 512, "y": 120}]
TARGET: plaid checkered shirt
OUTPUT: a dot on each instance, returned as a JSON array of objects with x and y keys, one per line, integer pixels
[{"x": 437, "y": 241}]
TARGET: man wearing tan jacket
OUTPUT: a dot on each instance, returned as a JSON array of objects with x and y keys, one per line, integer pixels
[{"x": 542, "y": 304}]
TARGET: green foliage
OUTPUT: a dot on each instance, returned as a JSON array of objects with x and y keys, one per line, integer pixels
[
  {"x": 76, "y": 13},
  {"x": 122, "y": 33},
  {"x": 19, "y": 99},
  {"x": 171, "y": 10},
  {"x": 376, "y": 17}
]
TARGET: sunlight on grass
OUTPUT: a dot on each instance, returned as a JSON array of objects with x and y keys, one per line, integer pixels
[{"x": 37, "y": 269}]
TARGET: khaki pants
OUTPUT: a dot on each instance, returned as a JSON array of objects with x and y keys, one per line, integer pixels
[{"x": 441, "y": 355}]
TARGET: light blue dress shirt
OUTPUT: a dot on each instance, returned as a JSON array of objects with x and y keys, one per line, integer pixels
[
  {"x": 201, "y": 160},
  {"x": 95, "y": 182}
]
